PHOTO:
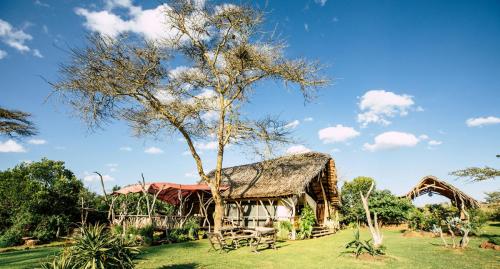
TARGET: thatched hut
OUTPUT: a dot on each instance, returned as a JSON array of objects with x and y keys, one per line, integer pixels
[
  {"x": 431, "y": 184},
  {"x": 278, "y": 189}
]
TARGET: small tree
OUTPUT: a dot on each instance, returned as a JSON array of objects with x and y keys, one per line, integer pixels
[
  {"x": 374, "y": 228},
  {"x": 226, "y": 55}
]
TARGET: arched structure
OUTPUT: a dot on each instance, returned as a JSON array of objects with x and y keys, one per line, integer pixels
[{"x": 431, "y": 184}]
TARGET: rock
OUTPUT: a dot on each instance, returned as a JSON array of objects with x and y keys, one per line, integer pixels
[
  {"x": 489, "y": 245},
  {"x": 32, "y": 242}
]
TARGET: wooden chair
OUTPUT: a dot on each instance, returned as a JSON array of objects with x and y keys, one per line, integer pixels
[{"x": 219, "y": 243}]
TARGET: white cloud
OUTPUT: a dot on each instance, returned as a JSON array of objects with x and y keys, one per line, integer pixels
[
  {"x": 293, "y": 124},
  {"x": 42, "y": 4},
  {"x": 481, "y": 121},
  {"x": 320, "y": 2},
  {"x": 37, "y": 141},
  {"x": 153, "y": 150},
  {"x": 3, "y": 54},
  {"x": 60, "y": 148},
  {"x": 126, "y": 148},
  {"x": 37, "y": 53},
  {"x": 151, "y": 24},
  {"x": 338, "y": 133},
  {"x": 423, "y": 137},
  {"x": 306, "y": 27},
  {"x": 211, "y": 145},
  {"x": 11, "y": 146},
  {"x": 297, "y": 149},
  {"x": 112, "y": 165},
  {"x": 392, "y": 140},
  {"x": 377, "y": 106},
  {"x": 14, "y": 38},
  {"x": 90, "y": 177},
  {"x": 335, "y": 150},
  {"x": 434, "y": 143},
  {"x": 309, "y": 119}
]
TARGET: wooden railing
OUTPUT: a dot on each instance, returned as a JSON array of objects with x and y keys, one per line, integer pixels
[{"x": 162, "y": 222}]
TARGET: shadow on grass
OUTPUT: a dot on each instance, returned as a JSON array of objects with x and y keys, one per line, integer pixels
[
  {"x": 26, "y": 258},
  {"x": 180, "y": 266}
]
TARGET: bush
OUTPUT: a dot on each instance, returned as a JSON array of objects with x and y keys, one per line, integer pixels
[
  {"x": 147, "y": 234},
  {"x": 284, "y": 228},
  {"x": 95, "y": 248},
  {"x": 430, "y": 215},
  {"x": 192, "y": 226},
  {"x": 177, "y": 235},
  {"x": 390, "y": 208},
  {"x": 306, "y": 222},
  {"x": 11, "y": 237}
]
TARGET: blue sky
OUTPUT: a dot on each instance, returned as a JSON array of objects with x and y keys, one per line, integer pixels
[{"x": 415, "y": 90}]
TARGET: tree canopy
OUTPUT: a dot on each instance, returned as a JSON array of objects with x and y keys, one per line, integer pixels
[
  {"x": 389, "y": 208},
  {"x": 225, "y": 56},
  {"x": 39, "y": 199},
  {"x": 15, "y": 123}
]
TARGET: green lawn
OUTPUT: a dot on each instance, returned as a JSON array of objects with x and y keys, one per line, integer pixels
[{"x": 324, "y": 252}]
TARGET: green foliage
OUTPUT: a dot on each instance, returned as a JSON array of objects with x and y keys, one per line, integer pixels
[
  {"x": 494, "y": 239},
  {"x": 477, "y": 173},
  {"x": 129, "y": 204},
  {"x": 39, "y": 199},
  {"x": 352, "y": 207},
  {"x": 358, "y": 246},
  {"x": 390, "y": 209},
  {"x": 477, "y": 219},
  {"x": 11, "y": 237},
  {"x": 284, "y": 228},
  {"x": 425, "y": 218},
  {"x": 96, "y": 248},
  {"x": 306, "y": 222},
  {"x": 177, "y": 235},
  {"x": 192, "y": 226},
  {"x": 492, "y": 197}
]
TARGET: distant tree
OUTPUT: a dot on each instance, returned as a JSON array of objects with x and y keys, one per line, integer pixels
[
  {"x": 492, "y": 197},
  {"x": 390, "y": 209},
  {"x": 352, "y": 208},
  {"x": 39, "y": 199},
  {"x": 477, "y": 173},
  {"x": 15, "y": 123},
  {"x": 226, "y": 56}
]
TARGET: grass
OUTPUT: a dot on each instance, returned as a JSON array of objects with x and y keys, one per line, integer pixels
[{"x": 325, "y": 252}]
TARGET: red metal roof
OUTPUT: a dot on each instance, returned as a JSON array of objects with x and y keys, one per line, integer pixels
[{"x": 169, "y": 192}]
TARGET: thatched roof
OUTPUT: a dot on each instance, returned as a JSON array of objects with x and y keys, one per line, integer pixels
[
  {"x": 431, "y": 184},
  {"x": 283, "y": 176}
]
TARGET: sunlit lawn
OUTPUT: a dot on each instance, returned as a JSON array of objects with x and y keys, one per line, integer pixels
[{"x": 402, "y": 252}]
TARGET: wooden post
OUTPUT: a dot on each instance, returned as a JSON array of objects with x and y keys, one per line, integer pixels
[
  {"x": 290, "y": 201},
  {"x": 325, "y": 205}
]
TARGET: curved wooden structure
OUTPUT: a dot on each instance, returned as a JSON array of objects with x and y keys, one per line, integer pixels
[{"x": 431, "y": 184}]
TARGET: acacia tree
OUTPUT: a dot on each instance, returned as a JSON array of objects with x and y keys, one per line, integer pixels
[
  {"x": 16, "y": 123},
  {"x": 227, "y": 55}
]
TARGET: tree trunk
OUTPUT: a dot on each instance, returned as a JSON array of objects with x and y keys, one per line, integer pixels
[
  {"x": 375, "y": 231},
  {"x": 219, "y": 210}
]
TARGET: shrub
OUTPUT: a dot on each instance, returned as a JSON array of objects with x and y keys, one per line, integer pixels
[
  {"x": 95, "y": 248},
  {"x": 192, "y": 226},
  {"x": 11, "y": 237},
  {"x": 306, "y": 222},
  {"x": 358, "y": 246},
  {"x": 147, "y": 234},
  {"x": 284, "y": 228}
]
